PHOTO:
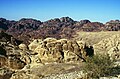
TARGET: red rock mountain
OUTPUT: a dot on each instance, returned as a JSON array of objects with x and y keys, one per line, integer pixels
[{"x": 64, "y": 27}]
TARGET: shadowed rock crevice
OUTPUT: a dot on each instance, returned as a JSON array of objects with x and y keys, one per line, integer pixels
[
  {"x": 89, "y": 51},
  {"x": 2, "y": 51}
]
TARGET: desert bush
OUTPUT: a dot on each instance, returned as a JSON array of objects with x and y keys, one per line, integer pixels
[{"x": 98, "y": 66}]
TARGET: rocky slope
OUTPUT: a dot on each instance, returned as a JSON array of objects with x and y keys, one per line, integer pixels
[
  {"x": 18, "y": 58},
  {"x": 109, "y": 45}
]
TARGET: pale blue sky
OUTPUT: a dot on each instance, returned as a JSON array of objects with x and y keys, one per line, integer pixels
[{"x": 94, "y": 10}]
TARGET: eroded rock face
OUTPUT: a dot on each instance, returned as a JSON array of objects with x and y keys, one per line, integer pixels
[
  {"x": 110, "y": 45},
  {"x": 63, "y": 50},
  {"x": 5, "y": 73},
  {"x": 4, "y": 37},
  {"x": 11, "y": 61},
  {"x": 9, "y": 52}
]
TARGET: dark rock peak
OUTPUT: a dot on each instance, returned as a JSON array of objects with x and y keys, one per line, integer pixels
[
  {"x": 113, "y": 22},
  {"x": 54, "y": 20},
  {"x": 2, "y": 19},
  {"x": 4, "y": 24},
  {"x": 59, "y": 20},
  {"x": 28, "y": 20},
  {"x": 26, "y": 23},
  {"x": 84, "y": 21},
  {"x": 66, "y": 19}
]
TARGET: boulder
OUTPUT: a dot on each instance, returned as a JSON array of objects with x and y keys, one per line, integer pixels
[
  {"x": 34, "y": 44},
  {"x": 23, "y": 46}
]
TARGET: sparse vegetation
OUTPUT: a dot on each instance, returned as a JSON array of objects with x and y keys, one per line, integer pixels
[{"x": 98, "y": 66}]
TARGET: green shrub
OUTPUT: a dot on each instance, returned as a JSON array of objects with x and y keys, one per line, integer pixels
[{"x": 98, "y": 66}]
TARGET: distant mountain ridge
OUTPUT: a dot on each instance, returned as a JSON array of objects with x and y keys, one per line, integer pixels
[{"x": 63, "y": 27}]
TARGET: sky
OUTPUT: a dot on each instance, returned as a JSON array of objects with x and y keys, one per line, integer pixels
[{"x": 93, "y": 10}]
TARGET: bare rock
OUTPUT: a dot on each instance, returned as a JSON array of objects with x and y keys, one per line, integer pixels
[
  {"x": 3, "y": 60},
  {"x": 5, "y": 73},
  {"x": 15, "y": 63},
  {"x": 62, "y": 50},
  {"x": 84, "y": 21},
  {"x": 49, "y": 40},
  {"x": 34, "y": 44},
  {"x": 110, "y": 45},
  {"x": 23, "y": 46}
]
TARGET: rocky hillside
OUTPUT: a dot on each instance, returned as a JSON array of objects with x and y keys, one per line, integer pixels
[
  {"x": 102, "y": 42},
  {"x": 51, "y": 58},
  {"x": 18, "y": 58},
  {"x": 109, "y": 45},
  {"x": 64, "y": 27}
]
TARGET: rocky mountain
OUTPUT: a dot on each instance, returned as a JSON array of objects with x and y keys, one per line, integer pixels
[
  {"x": 65, "y": 27},
  {"x": 5, "y": 24},
  {"x": 113, "y": 25}
]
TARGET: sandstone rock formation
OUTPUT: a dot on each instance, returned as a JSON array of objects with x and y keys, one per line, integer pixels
[
  {"x": 63, "y": 50},
  {"x": 9, "y": 52},
  {"x": 23, "y": 46},
  {"x": 34, "y": 44}
]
